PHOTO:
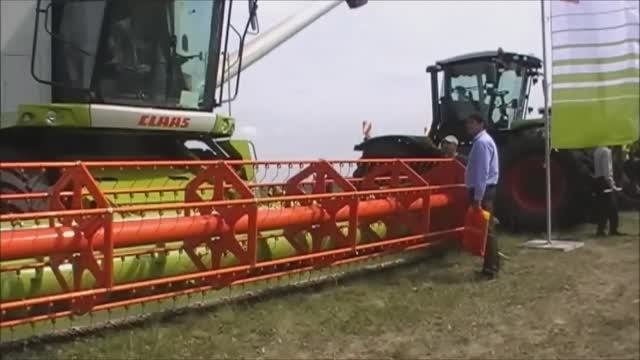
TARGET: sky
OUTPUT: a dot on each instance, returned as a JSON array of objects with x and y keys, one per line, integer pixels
[{"x": 307, "y": 99}]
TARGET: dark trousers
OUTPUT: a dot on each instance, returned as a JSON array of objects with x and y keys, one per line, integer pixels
[
  {"x": 491, "y": 258},
  {"x": 607, "y": 207}
]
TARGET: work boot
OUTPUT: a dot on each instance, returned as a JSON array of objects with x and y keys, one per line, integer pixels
[{"x": 486, "y": 275}]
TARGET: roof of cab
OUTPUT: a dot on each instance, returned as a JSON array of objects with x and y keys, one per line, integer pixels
[{"x": 530, "y": 60}]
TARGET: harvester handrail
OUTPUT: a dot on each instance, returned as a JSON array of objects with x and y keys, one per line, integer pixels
[
  {"x": 178, "y": 189},
  {"x": 188, "y": 163}
]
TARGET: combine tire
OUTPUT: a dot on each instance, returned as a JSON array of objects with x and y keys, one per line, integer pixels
[
  {"x": 18, "y": 182},
  {"x": 521, "y": 201}
]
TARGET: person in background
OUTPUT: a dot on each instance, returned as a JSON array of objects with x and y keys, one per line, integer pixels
[
  {"x": 606, "y": 189},
  {"x": 450, "y": 147},
  {"x": 481, "y": 178}
]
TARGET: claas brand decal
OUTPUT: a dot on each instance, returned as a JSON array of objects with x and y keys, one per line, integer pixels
[{"x": 164, "y": 121}]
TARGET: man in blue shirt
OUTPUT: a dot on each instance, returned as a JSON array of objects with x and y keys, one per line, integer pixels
[{"x": 481, "y": 177}]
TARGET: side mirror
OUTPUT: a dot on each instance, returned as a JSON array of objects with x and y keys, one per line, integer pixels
[
  {"x": 529, "y": 110},
  {"x": 535, "y": 80},
  {"x": 253, "y": 14},
  {"x": 185, "y": 43}
]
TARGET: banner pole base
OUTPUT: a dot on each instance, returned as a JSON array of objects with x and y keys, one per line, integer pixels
[{"x": 558, "y": 245}]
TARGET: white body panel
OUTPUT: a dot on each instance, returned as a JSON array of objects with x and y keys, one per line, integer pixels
[
  {"x": 129, "y": 117},
  {"x": 17, "y": 20}
]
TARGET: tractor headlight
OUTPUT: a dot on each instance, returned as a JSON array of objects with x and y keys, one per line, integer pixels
[
  {"x": 51, "y": 117},
  {"x": 26, "y": 118}
]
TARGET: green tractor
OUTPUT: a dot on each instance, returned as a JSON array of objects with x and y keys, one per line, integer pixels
[
  {"x": 497, "y": 84},
  {"x": 123, "y": 80}
]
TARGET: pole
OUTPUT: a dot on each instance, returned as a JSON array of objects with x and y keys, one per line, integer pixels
[{"x": 547, "y": 126}]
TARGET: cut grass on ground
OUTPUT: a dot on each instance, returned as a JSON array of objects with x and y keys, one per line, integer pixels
[{"x": 581, "y": 304}]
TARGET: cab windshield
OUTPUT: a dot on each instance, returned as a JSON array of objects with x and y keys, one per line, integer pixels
[
  {"x": 467, "y": 89},
  {"x": 152, "y": 53}
]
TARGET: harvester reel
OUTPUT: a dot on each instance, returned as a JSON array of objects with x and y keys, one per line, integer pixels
[{"x": 71, "y": 260}]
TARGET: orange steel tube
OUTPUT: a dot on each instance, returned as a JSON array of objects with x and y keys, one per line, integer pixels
[{"x": 27, "y": 243}]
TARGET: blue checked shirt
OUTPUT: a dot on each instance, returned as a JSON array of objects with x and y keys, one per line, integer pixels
[{"x": 482, "y": 166}]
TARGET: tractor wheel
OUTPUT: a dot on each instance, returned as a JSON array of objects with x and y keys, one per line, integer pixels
[
  {"x": 398, "y": 147},
  {"x": 521, "y": 201},
  {"x": 630, "y": 183},
  {"x": 18, "y": 182}
]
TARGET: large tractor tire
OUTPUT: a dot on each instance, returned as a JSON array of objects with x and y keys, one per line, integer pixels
[
  {"x": 19, "y": 182},
  {"x": 521, "y": 201},
  {"x": 397, "y": 147},
  {"x": 630, "y": 196}
]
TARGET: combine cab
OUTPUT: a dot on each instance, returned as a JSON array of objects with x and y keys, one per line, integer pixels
[
  {"x": 496, "y": 84},
  {"x": 126, "y": 80}
]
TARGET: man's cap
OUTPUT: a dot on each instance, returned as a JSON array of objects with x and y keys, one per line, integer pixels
[{"x": 450, "y": 139}]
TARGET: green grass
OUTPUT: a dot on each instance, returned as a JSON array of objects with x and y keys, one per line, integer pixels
[{"x": 581, "y": 304}]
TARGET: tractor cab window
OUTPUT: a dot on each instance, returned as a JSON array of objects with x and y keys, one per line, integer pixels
[
  {"x": 508, "y": 100},
  {"x": 494, "y": 91},
  {"x": 76, "y": 34},
  {"x": 151, "y": 53},
  {"x": 465, "y": 90},
  {"x": 466, "y": 87}
]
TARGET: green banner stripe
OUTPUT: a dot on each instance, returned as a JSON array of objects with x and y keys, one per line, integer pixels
[
  {"x": 596, "y": 93},
  {"x": 620, "y": 26},
  {"x": 595, "y": 12},
  {"x": 596, "y": 61},
  {"x": 575, "y": 46},
  {"x": 601, "y": 76},
  {"x": 590, "y": 124}
]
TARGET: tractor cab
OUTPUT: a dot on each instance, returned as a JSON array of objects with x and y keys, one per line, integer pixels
[{"x": 495, "y": 84}]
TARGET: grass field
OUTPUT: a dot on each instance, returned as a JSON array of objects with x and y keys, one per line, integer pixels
[{"x": 581, "y": 304}]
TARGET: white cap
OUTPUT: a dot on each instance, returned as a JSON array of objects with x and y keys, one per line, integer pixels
[{"x": 451, "y": 139}]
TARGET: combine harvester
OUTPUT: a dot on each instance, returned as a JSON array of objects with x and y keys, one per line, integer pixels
[{"x": 122, "y": 193}]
